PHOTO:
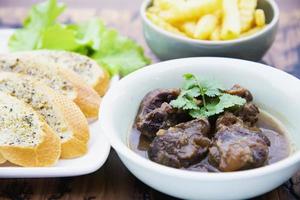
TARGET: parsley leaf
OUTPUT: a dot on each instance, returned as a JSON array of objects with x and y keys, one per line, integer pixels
[
  {"x": 186, "y": 100},
  {"x": 190, "y": 81},
  {"x": 213, "y": 88},
  {"x": 214, "y": 107},
  {"x": 205, "y": 98},
  {"x": 228, "y": 100},
  {"x": 193, "y": 92}
]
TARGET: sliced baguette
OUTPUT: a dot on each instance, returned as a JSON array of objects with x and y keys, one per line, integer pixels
[
  {"x": 85, "y": 67},
  {"x": 25, "y": 138},
  {"x": 2, "y": 159},
  {"x": 61, "y": 114},
  {"x": 61, "y": 80}
]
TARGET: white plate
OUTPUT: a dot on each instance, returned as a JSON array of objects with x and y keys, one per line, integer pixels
[{"x": 97, "y": 152}]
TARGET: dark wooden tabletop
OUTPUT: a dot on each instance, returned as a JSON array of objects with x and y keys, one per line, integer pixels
[{"x": 113, "y": 181}]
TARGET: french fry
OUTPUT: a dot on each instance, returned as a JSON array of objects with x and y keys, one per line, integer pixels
[
  {"x": 219, "y": 14},
  {"x": 247, "y": 8},
  {"x": 216, "y": 34},
  {"x": 166, "y": 4},
  {"x": 260, "y": 19},
  {"x": 190, "y": 10},
  {"x": 205, "y": 26},
  {"x": 251, "y": 31},
  {"x": 154, "y": 10},
  {"x": 162, "y": 4},
  {"x": 231, "y": 21},
  {"x": 161, "y": 23},
  {"x": 208, "y": 19},
  {"x": 188, "y": 28}
]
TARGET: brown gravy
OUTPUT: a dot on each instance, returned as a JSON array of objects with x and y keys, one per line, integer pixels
[{"x": 280, "y": 146}]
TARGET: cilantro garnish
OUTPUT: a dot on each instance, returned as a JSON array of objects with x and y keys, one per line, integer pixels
[{"x": 204, "y": 98}]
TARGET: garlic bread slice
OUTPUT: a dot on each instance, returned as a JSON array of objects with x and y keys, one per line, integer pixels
[
  {"x": 61, "y": 114},
  {"x": 2, "y": 159},
  {"x": 62, "y": 80},
  {"x": 25, "y": 138},
  {"x": 88, "y": 69}
]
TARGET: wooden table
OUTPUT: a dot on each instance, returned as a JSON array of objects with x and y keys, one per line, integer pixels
[{"x": 113, "y": 181}]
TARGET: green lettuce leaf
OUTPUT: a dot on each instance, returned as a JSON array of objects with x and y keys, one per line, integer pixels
[
  {"x": 41, "y": 17},
  {"x": 24, "y": 39},
  {"x": 118, "y": 54},
  {"x": 44, "y": 14},
  {"x": 89, "y": 34},
  {"x": 58, "y": 37}
]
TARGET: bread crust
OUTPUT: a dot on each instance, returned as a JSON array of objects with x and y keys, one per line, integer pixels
[
  {"x": 2, "y": 159},
  {"x": 77, "y": 145},
  {"x": 61, "y": 58},
  {"x": 44, "y": 154},
  {"x": 71, "y": 114},
  {"x": 87, "y": 98},
  {"x": 102, "y": 84}
]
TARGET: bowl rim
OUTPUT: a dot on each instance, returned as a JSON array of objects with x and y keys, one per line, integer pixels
[
  {"x": 123, "y": 149},
  {"x": 180, "y": 38}
]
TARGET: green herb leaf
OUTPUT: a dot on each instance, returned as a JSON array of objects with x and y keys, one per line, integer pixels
[
  {"x": 212, "y": 87},
  {"x": 209, "y": 110},
  {"x": 198, "y": 113},
  {"x": 184, "y": 102},
  {"x": 205, "y": 98},
  {"x": 190, "y": 81},
  {"x": 228, "y": 100},
  {"x": 193, "y": 92}
]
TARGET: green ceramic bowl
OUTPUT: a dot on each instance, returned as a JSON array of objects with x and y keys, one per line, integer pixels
[{"x": 167, "y": 45}]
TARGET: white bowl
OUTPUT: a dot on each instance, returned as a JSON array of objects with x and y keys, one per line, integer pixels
[{"x": 275, "y": 91}]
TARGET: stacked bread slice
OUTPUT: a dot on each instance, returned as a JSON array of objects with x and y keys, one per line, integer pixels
[
  {"x": 85, "y": 67},
  {"x": 65, "y": 81},
  {"x": 25, "y": 138},
  {"x": 53, "y": 97},
  {"x": 61, "y": 114}
]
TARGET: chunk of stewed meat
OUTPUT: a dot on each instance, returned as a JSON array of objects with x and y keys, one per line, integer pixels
[
  {"x": 156, "y": 113},
  {"x": 226, "y": 120},
  {"x": 241, "y": 92},
  {"x": 236, "y": 146},
  {"x": 181, "y": 145},
  {"x": 160, "y": 118},
  {"x": 248, "y": 113},
  {"x": 155, "y": 99}
]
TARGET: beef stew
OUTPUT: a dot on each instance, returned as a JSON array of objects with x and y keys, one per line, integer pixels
[{"x": 237, "y": 137}]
